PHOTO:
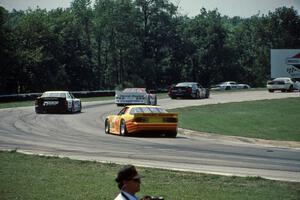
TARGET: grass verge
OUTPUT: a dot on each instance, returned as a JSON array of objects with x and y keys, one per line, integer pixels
[
  {"x": 16, "y": 104},
  {"x": 37, "y": 177},
  {"x": 276, "y": 119}
]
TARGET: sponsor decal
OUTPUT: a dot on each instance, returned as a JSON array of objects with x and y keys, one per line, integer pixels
[
  {"x": 293, "y": 65},
  {"x": 50, "y": 103},
  {"x": 294, "y": 61}
]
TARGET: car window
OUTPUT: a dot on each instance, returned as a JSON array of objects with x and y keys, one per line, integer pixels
[
  {"x": 280, "y": 79},
  {"x": 157, "y": 110},
  {"x": 62, "y": 95},
  {"x": 45, "y": 95},
  {"x": 135, "y": 90},
  {"x": 147, "y": 110},
  {"x": 184, "y": 85},
  {"x": 68, "y": 96},
  {"x": 72, "y": 96},
  {"x": 136, "y": 110},
  {"x": 123, "y": 111},
  {"x": 54, "y": 94}
]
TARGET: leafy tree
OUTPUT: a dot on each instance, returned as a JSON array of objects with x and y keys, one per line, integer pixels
[
  {"x": 141, "y": 43},
  {"x": 157, "y": 19},
  {"x": 207, "y": 37},
  {"x": 9, "y": 69}
]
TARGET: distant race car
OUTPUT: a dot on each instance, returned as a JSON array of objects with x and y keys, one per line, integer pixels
[
  {"x": 57, "y": 101},
  {"x": 284, "y": 84},
  {"x": 230, "y": 85},
  {"x": 142, "y": 119},
  {"x": 188, "y": 89},
  {"x": 134, "y": 96}
]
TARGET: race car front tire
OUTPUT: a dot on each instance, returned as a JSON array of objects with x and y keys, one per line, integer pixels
[
  {"x": 123, "y": 129},
  {"x": 107, "y": 128}
]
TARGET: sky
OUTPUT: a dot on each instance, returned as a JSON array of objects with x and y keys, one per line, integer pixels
[{"x": 242, "y": 8}]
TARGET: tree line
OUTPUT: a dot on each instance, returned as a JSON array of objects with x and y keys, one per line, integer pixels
[{"x": 137, "y": 43}]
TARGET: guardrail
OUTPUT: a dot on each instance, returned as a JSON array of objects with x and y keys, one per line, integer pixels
[
  {"x": 33, "y": 96},
  {"x": 78, "y": 94}
]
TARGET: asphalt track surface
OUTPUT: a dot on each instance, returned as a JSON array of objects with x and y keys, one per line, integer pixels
[{"x": 81, "y": 136}]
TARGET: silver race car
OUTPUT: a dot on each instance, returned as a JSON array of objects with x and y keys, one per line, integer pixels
[{"x": 135, "y": 96}]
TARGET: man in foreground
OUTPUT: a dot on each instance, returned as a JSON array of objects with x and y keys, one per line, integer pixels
[{"x": 129, "y": 182}]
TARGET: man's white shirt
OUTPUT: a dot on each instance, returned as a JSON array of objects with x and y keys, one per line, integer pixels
[{"x": 129, "y": 196}]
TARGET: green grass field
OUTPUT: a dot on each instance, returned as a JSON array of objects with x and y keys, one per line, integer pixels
[
  {"x": 35, "y": 177},
  {"x": 276, "y": 119}
]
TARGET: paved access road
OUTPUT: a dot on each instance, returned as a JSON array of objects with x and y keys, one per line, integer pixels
[{"x": 81, "y": 136}]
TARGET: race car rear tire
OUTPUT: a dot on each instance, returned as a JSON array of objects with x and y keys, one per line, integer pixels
[
  {"x": 72, "y": 108},
  {"x": 207, "y": 93},
  {"x": 107, "y": 128},
  {"x": 38, "y": 110},
  {"x": 80, "y": 108},
  {"x": 198, "y": 96},
  {"x": 172, "y": 134},
  {"x": 155, "y": 101},
  {"x": 123, "y": 129}
]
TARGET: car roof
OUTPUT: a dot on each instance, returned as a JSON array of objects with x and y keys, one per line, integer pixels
[
  {"x": 56, "y": 92},
  {"x": 187, "y": 83},
  {"x": 135, "y": 90},
  {"x": 142, "y": 106},
  {"x": 282, "y": 78},
  {"x": 229, "y": 81}
]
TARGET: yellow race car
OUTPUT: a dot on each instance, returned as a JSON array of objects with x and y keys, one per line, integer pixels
[{"x": 142, "y": 118}]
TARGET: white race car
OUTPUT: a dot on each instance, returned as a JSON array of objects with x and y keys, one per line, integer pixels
[
  {"x": 188, "y": 89},
  {"x": 135, "y": 96},
  {"x": 57, "y": 101},
  {"x": 284, "y": 84},
  {"x": 229, "y": 85}
]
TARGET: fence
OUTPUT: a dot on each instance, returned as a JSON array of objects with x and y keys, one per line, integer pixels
[
  {"x": 78, "y": 94},
  {"x": 33, "y": 96}
]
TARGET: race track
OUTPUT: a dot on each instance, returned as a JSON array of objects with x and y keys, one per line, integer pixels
[{"x": 81, "y": 136}]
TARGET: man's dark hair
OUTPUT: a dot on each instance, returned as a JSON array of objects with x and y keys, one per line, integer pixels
[{"x": 127, "y": 172}]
